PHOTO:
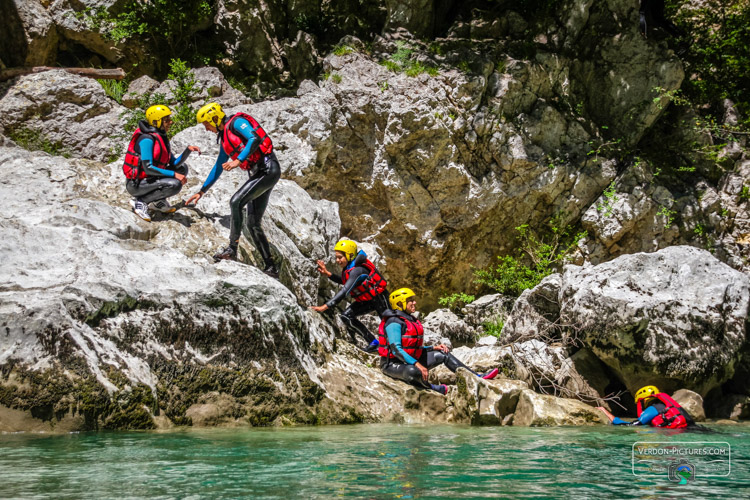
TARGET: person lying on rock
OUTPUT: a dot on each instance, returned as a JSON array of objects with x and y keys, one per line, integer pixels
[
  {"x": 656, "y": 409},
  {"x": 363, "y": 282},
  {"x": 244, "y": 144},
  {"x": 402, "y": 353},
  {"x": 153, "y": 173}
]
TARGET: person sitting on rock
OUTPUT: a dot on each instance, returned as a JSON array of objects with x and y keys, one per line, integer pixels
[
  {"x": 153, "y": 173},
  {"x": 403, "y": 355},
  {"x": 244, "y": 144},
  {"x": 656, "y": 409},
  {"x": 363, "y": 282}
]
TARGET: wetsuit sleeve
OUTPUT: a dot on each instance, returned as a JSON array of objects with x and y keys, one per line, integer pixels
[
  {"x": 336, "y": 278},
  {"x": 215, "y": 173},
  {"x": 646, "y": 416},
  {"x": 356, "y": 277},
  {"x": 243, "y": 128},
  {"x": 146, "y": 146},
  {"x": 393, "y": 331},
  {"x": 176, "y": 162}
]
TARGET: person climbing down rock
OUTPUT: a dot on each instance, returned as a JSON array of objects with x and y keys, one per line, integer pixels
[
  {"x": 656, "y": 409},
  {"x": 363, "y": 282},
  {"x": 651, "y": 14},
  {"x": 402, "y": 353},
  {"x": 244, "y": 144},
  {"x": 153, "y": 173}
]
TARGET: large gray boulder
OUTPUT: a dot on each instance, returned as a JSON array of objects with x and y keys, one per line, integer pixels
[
  {"x": 675, "y": 318},
  {"x": 539, "y": 410},
  {"x": 131, "y": 310},
  {"x": 486, "y": 402},
  {"x": 63, "y": 113}
]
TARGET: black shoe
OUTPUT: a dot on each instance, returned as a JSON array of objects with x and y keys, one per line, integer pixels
[
  {"x": 227, "y": 253},
  {"x": 372, "y": 348},
  {"x": 272, "y": 271}
]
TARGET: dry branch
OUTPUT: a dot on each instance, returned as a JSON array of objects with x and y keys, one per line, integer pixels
[{"x": 103, "y": 74}]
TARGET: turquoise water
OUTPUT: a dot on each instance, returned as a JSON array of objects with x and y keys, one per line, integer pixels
[{"x": 370, "y": 461}]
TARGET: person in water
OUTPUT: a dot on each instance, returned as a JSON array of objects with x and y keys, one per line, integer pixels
[
  {"x": 403, "y": 355},
  {"x": 244, "y": 144},
  {"x": 153, "y": 173},
  {"x": 656, "y": 409},
  {"x": 363, "y": 283}
]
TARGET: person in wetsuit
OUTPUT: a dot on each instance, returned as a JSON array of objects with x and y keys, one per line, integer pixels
[
  {"x": 653, "y": 11},
  {"x": 153, "y": 173},
  {"x": 362, "y": 281},
  {"x": 656, "y": 409},
  {"x": 244, "y": 144},
  {"x": 403, "y": 355}
]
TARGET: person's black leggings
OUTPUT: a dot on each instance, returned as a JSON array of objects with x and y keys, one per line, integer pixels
[
  {"x": 254, "y": 195},
  {"x": 154, "y": 188},
  {"x": 379, "y": 304},
  {"x": 410, "y": 374}
]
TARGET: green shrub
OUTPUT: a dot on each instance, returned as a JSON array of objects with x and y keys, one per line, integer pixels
[
  {"x": 494, "y": 327},
  {"x": 34, "y": 140},
  {"x": 160, "y": 22},
  {"x": 456, "y": 301},
  {"x": 401, "y": 62},
  {"x": 185, "y": 89},
  {"x": 537, "y": 258},
  {"x": 114, "y": 89},
  {"x": 342, "y": 50}
]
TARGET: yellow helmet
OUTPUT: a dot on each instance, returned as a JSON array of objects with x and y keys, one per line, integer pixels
[
  {"x": 155, "y": 114},
  {"x": 211, "y": 113},
  {"x": 398, "y": 298},
  {"x": 646, "y": 392},
  {"x": 347, "y": 247}
]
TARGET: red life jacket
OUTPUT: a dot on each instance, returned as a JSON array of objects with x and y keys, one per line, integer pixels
[
  {"x": 371, "y": 287},
  {"x": 233, "y": 144},
  {"x": 412, "y": 334},
  {"x": 672, "y": 417},
  {"x": 132, "y": 166}
]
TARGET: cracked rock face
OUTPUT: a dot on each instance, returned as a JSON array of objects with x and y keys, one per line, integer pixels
[
  {"x": 98, "y": 302},
  {"x": 65, "y": 112},
  {"x": 675, "y": 318}
]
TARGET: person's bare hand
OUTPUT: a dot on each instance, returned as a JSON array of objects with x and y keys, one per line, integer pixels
[
  {"x": 442, "y": 347},
  {"x": 424, "y": 371},
  {"x": 181, "y": 178},
  {"x": 322, "y": 268},
  {"x": 231, "y": 165},
  {"x": 195, "y": 149},
  {"x": 194, "y": 199},
  {"x": 320, "y": 309}
]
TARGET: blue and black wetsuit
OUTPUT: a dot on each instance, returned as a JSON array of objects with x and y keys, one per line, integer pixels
[
  {"x": 378, "y": 304},
  {"x": 402, "y": 367},
  {"x": 254, "y": 194},
  {"x": 160, "y": 183},
  {"x": 646, "y": 416}
]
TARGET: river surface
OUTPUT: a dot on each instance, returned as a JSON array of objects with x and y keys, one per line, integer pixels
[{"x": 370, "y": 461}]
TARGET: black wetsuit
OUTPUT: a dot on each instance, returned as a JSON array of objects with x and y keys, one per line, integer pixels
[
  {"x": 254, "y": 194},
  {"x": 401, "y": 367},
  {"x": 379, "y": 304}
]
